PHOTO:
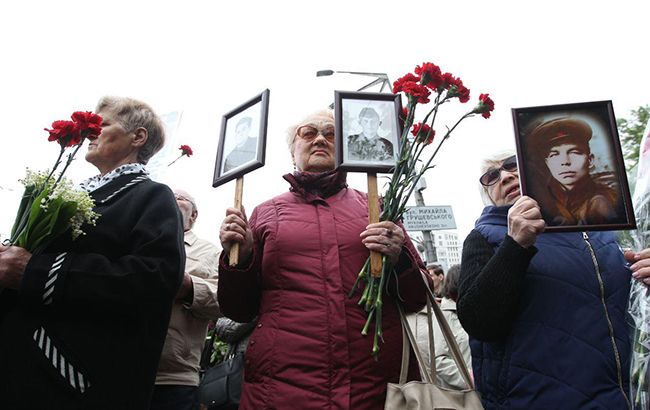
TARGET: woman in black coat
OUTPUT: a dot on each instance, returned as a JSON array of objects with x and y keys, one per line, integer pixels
[{"x": 84, "y": 321}]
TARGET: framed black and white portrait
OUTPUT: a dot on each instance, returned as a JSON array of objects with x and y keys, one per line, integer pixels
[
  {"x": 570, "y": 162},
  {"x": 367, "y": 131},
  {"x": 242, "y": 142}
]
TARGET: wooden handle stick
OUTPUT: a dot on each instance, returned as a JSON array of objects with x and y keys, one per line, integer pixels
[
  {"x": 234, "y": 249},
  {"x": 373, "y": 216}
]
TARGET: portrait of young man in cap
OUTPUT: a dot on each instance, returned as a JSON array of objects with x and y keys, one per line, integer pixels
[{"x": 570, "y": 195}]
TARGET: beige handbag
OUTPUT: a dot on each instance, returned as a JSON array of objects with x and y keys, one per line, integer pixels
[{"x": 416, "y": 395}]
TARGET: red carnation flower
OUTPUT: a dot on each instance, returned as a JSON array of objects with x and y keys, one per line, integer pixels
[
  {"x": 423, "y": 133},
  {"x": 447, "y": 80},
  {"x": 89, "y": 123},
  {"x": 431, "y": 75},
  {"x": 485, "y": 106},
  {"x": 457, "y": 89},
  {"x": 399, "y": 84},
  {"x": 417, "y": 92},
  {"x": 186, "y": 150},
  {"x": 66, "y": 133}
]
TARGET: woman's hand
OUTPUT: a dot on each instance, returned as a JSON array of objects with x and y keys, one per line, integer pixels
[
  {"x": 235, "y": 229},
  {"x": 525, "y": 221},
  {"x": 640, "y": 264},
  {"x": 13, "y": 260},
  {"x": 384, "y": 237}
]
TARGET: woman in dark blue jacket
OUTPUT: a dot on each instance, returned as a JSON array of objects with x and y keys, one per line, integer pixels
[{"x": 546, "y": 313}]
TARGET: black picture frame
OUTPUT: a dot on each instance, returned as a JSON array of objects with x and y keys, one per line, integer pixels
[
  {"x": 236, "y": 159},
  {"x": 351, "y": 152},
  {"x": 570, "y": 161}
]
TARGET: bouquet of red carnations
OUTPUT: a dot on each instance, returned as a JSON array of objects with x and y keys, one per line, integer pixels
[{"x": 418, "y": 87}]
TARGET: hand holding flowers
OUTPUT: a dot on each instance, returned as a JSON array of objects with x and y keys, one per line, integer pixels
[{"x": 384, "y": 237}]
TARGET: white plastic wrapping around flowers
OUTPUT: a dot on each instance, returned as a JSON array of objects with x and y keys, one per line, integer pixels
[{"x": 639, "y": 304}]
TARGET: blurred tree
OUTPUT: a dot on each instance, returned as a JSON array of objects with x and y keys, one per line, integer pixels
[{"x": 631, "y": 132}]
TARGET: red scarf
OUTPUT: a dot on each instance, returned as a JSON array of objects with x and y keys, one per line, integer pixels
[{"x": 321, "y": 184}]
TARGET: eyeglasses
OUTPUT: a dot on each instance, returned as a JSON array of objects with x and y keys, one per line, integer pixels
[
  {"x": 182, "y": 198},
  {"x": 309, "y": 133},
  {"x": 492, "y": 176}
]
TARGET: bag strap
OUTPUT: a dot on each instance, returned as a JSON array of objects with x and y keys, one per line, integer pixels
[
  {"x": 409, "y": 339},
  {"x": 450, "y": 339},
  {"x": 432, "y": 344}
]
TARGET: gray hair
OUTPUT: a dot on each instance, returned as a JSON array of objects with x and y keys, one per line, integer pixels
[
  {"x": 318, "y": 118},
  {"x": 491, "y": 161},
  {"x": 133, "y": 114}
]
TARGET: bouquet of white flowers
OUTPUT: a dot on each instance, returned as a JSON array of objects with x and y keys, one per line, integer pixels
[{"x": 50, "y": 205}]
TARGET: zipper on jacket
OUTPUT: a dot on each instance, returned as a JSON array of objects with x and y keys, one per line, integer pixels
[{"x": 617, "y": 356}]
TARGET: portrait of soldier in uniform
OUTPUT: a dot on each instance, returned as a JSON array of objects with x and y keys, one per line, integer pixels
[
  {"x": 368, "y": 145},
  {"x": 570, "y": 194},
  {"x": 245, "y": 149}
]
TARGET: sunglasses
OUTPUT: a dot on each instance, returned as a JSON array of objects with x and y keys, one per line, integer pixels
[
  {"x": 493, "y": 175},
  {"x": 309, "y": 133}
]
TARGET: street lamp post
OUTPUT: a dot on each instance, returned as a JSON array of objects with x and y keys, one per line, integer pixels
[
  {"x": 380, "y": 78},
  {"x": 429, "y": 246}
]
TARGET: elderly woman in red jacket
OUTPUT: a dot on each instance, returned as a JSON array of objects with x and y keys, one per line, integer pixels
[{"x": 299, "y": 256}]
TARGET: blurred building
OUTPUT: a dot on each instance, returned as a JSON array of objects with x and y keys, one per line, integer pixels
[{"x": 448, "y": 248}]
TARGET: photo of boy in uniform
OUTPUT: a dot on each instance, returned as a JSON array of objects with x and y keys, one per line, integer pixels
[
  {"x": 246, "y": 146},
  {"x": 368, "y": 145},
  {"x": 571, "y": 195}
]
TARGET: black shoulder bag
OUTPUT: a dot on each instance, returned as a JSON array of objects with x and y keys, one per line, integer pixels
[{"x": 221, "y": 384}]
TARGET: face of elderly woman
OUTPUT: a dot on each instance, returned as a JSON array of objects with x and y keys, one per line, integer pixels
[
  {"x": 505, "y": 191},
  {"x": 113, "y": 147},
  {"x": 313, "y": 149}
]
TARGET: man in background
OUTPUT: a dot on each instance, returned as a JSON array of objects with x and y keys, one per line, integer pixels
[
  {"x": 196, "y": 303},
  {"x": 438, "y": 275}
]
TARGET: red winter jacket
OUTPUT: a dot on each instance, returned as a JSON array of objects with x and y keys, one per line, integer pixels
[{"x": 307, "y": 351}]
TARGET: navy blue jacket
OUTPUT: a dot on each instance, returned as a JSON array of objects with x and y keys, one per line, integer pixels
[{"x": 552, "y": 324}]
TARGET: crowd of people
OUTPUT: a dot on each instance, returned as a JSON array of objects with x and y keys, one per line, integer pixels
[{"x": 118, "y": 318}]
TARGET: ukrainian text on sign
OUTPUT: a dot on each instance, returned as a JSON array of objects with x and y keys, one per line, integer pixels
[{"x": 429, "y": 218}]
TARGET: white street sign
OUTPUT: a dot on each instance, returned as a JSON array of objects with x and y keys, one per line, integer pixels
[{"x": 429, "y": 218}]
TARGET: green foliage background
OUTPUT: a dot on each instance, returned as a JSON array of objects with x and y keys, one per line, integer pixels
[{"x": 631, "y": 132}]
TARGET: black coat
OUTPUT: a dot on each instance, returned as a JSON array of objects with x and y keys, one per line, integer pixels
[{"x": 87, "y": 326}]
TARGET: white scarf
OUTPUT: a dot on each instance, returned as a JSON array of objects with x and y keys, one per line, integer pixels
[{"x": 96, "y": 182}]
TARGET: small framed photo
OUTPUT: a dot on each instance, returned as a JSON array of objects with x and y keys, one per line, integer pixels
[
  {"x": 570, "y": 162},
  {"x": 242, "y": 142},
  {"x": 368, "y": 131}
]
